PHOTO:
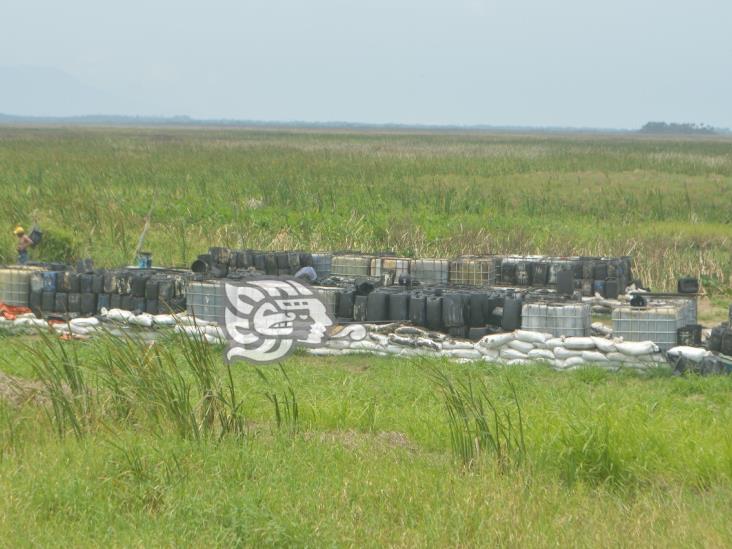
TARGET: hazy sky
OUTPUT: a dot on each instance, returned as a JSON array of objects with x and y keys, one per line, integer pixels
[{"x": 615, "y": 63}]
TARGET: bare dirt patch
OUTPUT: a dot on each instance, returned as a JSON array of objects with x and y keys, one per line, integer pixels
[{"x": 17, "y": 391}]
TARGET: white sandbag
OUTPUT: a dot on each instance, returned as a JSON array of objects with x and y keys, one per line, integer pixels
[
  {"x": 637, "y": 348},
  {"x": 410, "y": 331},
  {"x": 657, "y": 358},
  {"x": 579, "y": 343},
  {"x": 531, "y": 337},
  {"x": 429, "y": 343},
  {"x": 563, "y": 354},
  {"x": 518, "y": 362},
  {"x": 395, "y": 349},
  {"x": 401, "y": 340},
  {"x": 143, "y": 319},
  {"x": 489, "y": 355},
  {"x": 338, "y": 343},
  {"x": 324, "y": 352},
  {"x": 365, "y": 345},
  {"x": 695, "y": 354},
  {"x": 553, "y": 342},
  {"x": 494, "y": 341},
  {"x": 119, "y": 315},
  {"x": 354, "y": 332},
  {"x": 604, "y": 345},
  {"x": 470, "y": 354},
  {"x": 454, "y": 345},
  {"x": 520, "y": 346},
  {"x": 593, "y": 356},
  {"x": 573, "y": 361},
  {"x": 84, "y": 322},
  {"x": 79, "y": 330},
  {"x": 214, "y": 331},
  {"x": 600, "y": 328},
  {"x": 379, "y": 339},
  {"x": 541, "y": 354},
  {"x": 187, "y": 320},
  {"x": 164, "y": 320},
  {"x": 620, "y": 357},
  {"x": 31, "y": 322},
  {"x": 512, "y": 354}
]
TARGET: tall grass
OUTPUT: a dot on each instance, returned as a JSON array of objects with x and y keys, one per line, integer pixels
[
  {"x": 478, "y": 424},
  {"x": 666, "y": 202}
]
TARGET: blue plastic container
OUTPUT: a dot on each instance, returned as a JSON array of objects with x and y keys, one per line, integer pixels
[{"x": 49, "y": 281}]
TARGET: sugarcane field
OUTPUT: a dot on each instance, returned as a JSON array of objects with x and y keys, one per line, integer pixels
[{"x": 337, "y": 274}]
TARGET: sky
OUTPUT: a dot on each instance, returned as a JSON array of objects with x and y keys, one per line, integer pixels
[{"x": 561, "y": 63}]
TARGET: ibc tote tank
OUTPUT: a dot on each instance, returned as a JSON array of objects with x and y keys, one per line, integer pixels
[{"x": 15, "y": 284}]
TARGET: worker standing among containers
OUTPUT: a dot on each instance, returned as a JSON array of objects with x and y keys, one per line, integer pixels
[{"x": 24, "y": 242}]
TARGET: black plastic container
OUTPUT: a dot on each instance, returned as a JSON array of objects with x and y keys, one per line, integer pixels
[
  {"x": 453, "y": 311},
  {"x": 152, "y": 306},
  {"x": 35, "y": 300},
  {"x": 689, "y": 335},
  {"x": 377, "y": 306},
  {"x": 61, "y": 303},
  {"x": 103, "y": 302},
  {"x": 48, "y": 301},
  {"x": 138, "y": 304},
  {"x": 511, "y": 314},
  {"x": 434, "y": 313},
  {"x": 418, "y": 309},
  {"x": 115, "y": 301},
  {"x": 345, "y": 304},
  {"x": 86, "y": 283},
  {"x": 74, "y": 302},
  {"x": 88, "y": 303},
  {"x": 399, "y": 306},
  {"x": 152, "y": 288},
  {"x": 360, "y": 308},
  {"x": 688, "y": 285}
]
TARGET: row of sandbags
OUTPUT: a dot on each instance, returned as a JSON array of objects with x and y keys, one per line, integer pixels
[{"x": 518, "y": 347}]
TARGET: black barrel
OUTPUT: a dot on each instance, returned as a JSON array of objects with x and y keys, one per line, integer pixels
[
  {"x": 126, "y": 303},
  {"x": 511, "y": 314},
  {"x": 74, "y": 302},
  {"x": 165, "y": 290},
  {"x": 359, "y": 308},
  {"x": 137, "y": 285},
  {"x": 283, "y": 260},
  {"x": 399, "y": 306},
  {"x": 489, "y": 304},
  {"x": 152, "y": 288},
  {"x": 418, "y": 310},
  {"x": 611, "y": 288},
  {"x": 219, "y": 270},
  {"x": 48, "y": 301},
  {"x": 306, "y": 259},
  {"x": 565, "y": 282},
  {"x": 103, "y": 302},
  {"x": 138, "y": 304},
  {"x": 244, "y": 259},
  {"x": 522, "y": 273},
  {"x": 293, "y": 262},
  {"x": 199, "y": 266},
  {"x": 110, "y": 282},
  {"x": 452, "y": 310},
  {"x": 600, "y": 270},
  {"x": 689, "y": 335},
  {"x": 88, "y": 303},
  {"x": 86, "y": 282},
  {"x": 688, "y": 285},
  {"x": 123, "y": 283},
  {"x": 539, "y": 273},
  {"x": 61, "y": 303},
  {"x": 152, "y": 306},
  {"x": 260, "y": 261},
  {"x": 458, "y": 331},
  {"x": 35, "y": 302},
  {"x": 508, "y": 273},
  {"x": 219, "y": 254},
  {"x": 434, "y": 312},
  {"x": 345, "y": 303},
  {"x": 98, "y": 283},
  {"x": 377, "y": 306},
  {"x": 115, "y": 301},
  {"x": 477, "y": 301},
  {"x": 270, "y": 264}
]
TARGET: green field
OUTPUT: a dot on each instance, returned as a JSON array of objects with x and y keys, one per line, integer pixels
[
  {"x": 152, "y": 448},
  {"x": 665, "y": 201},
  {"x": 108, "y": 442}
]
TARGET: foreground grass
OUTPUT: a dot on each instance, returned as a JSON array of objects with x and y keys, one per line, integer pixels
[
  {"x": 665, "y": 201},
  {"x": 611, "y": 459}
]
